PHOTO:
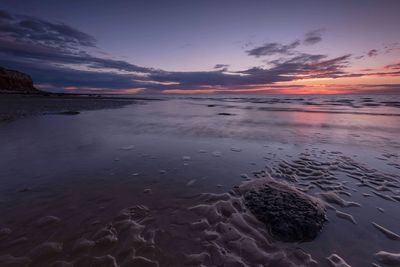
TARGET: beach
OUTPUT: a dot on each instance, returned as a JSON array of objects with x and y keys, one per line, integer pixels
[{"x": 167, "y": 180}]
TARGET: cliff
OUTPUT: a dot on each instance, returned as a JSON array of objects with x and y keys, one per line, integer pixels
[{"x": 16, "y": 82}]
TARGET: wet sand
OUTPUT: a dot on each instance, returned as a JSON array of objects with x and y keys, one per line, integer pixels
[
  {"x": 163, "y": 183},
  {"x": 14, "y": 106}
]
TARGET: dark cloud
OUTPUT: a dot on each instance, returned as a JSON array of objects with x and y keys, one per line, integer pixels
[
  {"x": 313, "y": 37},
  {"x": 27, "y": 29},
  {"x": 312, "y": 66},
  {"x": 33, "y": 40},
  {"x": 393, "y": 66},
  {"x": 4, "y": 15},
  {"x": 221, "y": 66},
  {"x": 299, "y": 67},
  {"x": 378, "y": 89},
  {"x": 58, "y": 77},
  {"x": 59, "y": 56},
  {"x": 372, "y": 53},
  {"x": 269, "y": 49},
  {"x": 394, "y": 47}
]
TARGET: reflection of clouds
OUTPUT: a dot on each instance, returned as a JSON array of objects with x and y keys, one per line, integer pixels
[{"x": 261, "y": 121}]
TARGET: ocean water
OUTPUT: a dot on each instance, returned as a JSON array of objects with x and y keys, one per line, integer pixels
[{"x": 156, "y": 179}]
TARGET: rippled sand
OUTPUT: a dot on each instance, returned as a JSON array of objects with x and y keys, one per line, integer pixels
[{"x": 162, "y": 183}]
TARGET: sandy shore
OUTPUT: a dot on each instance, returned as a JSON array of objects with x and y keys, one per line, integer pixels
[
  {"x": 14, "y": 106},
  {"x": 173, "y": 183}
]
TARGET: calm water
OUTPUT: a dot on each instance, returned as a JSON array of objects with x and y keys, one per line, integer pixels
[{"x": 85, "y": 169}]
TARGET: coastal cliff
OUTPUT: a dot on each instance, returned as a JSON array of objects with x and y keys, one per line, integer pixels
[{"x": 12, "y": 81}]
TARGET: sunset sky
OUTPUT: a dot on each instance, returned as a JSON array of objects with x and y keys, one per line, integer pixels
[{"x": 296, "y": 47}]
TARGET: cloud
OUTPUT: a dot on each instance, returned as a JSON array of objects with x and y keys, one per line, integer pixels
[
  {"x": 4, "y": 15},
  {"x": 269, "y": 49},
  {"x": 221, "y": 66},
  {"x": 29, "y": 39},
  {"x": 393, "y": 66},
  {"x": 59, "y": 58},
  {"x": 313, "y": 66},
  {"x": 58, "y": 77},
  {"x": 28, "y": 29},
  {"x": 377, "y": 89},
  {"x": 313, "y": 37},
  {"x": 300, "y": 67},
  {"x": 53, "y": 55},
  {"x": 372, "y": 53}
]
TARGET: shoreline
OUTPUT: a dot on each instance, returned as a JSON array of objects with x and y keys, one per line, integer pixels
[
  {"x": 18, "y": 105},
  {"x": 176, "y": 169}
]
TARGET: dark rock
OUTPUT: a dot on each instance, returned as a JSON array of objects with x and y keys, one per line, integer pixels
[
  {"x": 26, "y": 189},
  {"x": 226, "y": 114},
  {"x": 6, "y": 118},
  {"x": 290, "y": 215},
  {"x": 16, "y": 82},
  {"x": 70, "y": 112}
]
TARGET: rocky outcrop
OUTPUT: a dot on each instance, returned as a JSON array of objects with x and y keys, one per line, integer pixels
[
  {"x": 290, "y": 215},
  {"x": 16, "y": 82}
]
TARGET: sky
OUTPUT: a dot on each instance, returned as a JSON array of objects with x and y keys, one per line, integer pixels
[{"x": 218, "y": 46}]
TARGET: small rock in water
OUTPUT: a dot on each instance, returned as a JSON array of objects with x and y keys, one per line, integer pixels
[
  {"x": 128, "y": 147},
  {"x": 245, "y": 176},
  {"x": 26, "y": 189},
  {"x": 147, "y": 191},
  {"x": 225, "y": 114},
  {"x": 191, "y": 182},
  {"x": 236, "y": 149},
  {"x": 48, "y": 220},
  {"x": 70, "y": 112},
  {"x": 217, "y": 154}
]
